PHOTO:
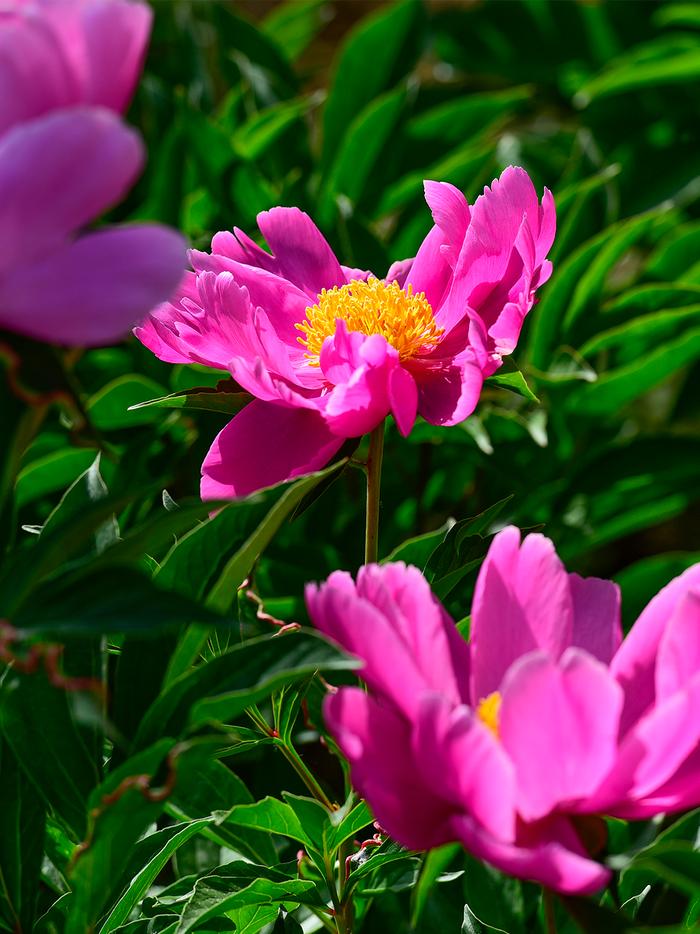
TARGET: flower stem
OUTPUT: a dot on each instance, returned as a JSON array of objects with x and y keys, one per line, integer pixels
[
  {"x": 374, "y": 477},
  {"x": 549, "y": 916}
]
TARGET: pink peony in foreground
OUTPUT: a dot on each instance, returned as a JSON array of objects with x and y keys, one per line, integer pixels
[
  {"x": 328, "y": 351},
  {"x": 516, "y": 742},
  {"x": 67, "y": 67}
]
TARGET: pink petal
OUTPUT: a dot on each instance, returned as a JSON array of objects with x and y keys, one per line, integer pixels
[
  {"x": 93, "y": 161},
  {"x": 678, "y": 660},
  {"x": 377, "y": 744},
  {"x": 462, "y": 760},
  {"x": 115, "y": 34},
  {"x": 558, "y": 723},
  {"x": 361, "y": 401},
  {"x": 34, "y": 75},
  {"x": 263, "y": 445},
  {"x": 283, "y": 302},
  {"x": 451, "y": 214},
  {"x": 551, "y": 858},
  {"x": 448, "y": 391},
  {"x": 159, "y": 331},
  {"x": 596, "y": 626},
  {"x": 430, "y": 272},
  {"x": 94, "y": 290},
  {"x": 652, "y": 752},
  {"x": 353, "y": 620},
  {"x": 399, "y": 271},
  {"x": 403, "y": 399},
  {"x": 635, "y": 662},
  {"x": 416, "y": 616},
  {"x": 302, "y": 252},
  {"x": 522, "y": 602}
]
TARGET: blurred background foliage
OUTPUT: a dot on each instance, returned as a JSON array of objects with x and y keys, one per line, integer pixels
[{"x": 343, "y": 108}]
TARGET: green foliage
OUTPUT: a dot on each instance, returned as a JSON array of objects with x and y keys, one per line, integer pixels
[{"x": 155, "y": 771}]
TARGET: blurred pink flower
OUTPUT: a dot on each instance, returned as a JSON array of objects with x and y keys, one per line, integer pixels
[
  {"x": 66, "y": 66},
  {"x": 329, "y": 351},
  {"x": 516, "y": 742}
]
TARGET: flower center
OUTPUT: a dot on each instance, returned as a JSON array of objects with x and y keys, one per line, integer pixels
[
  {"x": 373, "y": 307},
  {"x": 487, "y": 711}
]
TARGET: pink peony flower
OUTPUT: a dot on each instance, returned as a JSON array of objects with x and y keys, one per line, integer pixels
[
  {"x": 66, "y": 53},
  {"x": 516, "y": 742},
  {"x": 329, "y": 351},
  {"x": 65, "y": 157}
]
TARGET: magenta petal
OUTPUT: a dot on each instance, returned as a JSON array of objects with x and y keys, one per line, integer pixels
[
  {"x": 263, "y": 445},
  {"x": 34, "y": 75},
  {"x": 635, "y": 663},
  {"x": 419, "y": 620},
  {"x": 403, "y": 399},
  {"x": 159, "y": 331},
  {"x": 359, "y": 403},
  {"x": 521, "y": 602},
  {"x": 430, "y": 272},
  {"x": 558, "y": 723},
  {"x": 678, "y": 660},
  {"x": 462, "y": 760},
  {"x": 596, "y": 625},
  {"x": 355, "y": 622},
  {"x": 115, "y": 35},
  {"x": 93, "y": 160},
  {"x": 377, "y": 744},
  {"x": 448, "y": 391},
  {"x": 651, "y": 754},
  {"x": 302, "y": 252},
  {"x": 94, "y": 290},
  {"x": 451, "y": 214},
  {"x": 547, "y": 859},
  {"x": 282, "y": 301}
]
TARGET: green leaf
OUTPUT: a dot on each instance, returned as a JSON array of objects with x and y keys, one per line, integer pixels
[
  {"x": 110, "y": 409},
  {"x": 108, "y": 600},
  {"x": 222, "y": 687},
  {"x": 263, "y": 130},
  {"x": 22, "y": 825},
  {"x": 228, "y": 401},
  {"x": 89, "y": 488},
  {"x": 149, "y": 858},
  {"x": 515, "y": 382},
  {"x": 653, "y": 65},
  {"x": 359, "y": 151},
  {"x": 381, "y": 39},
  {"x": 204, "y": 786},
  {"x": 293, "y": 25},
  {"x": 239, "y": 885},
  {"x": 454, "y": 121},
  {"x": 417, "y": 550},
  {"x": 51, "y": 472},
  {"x": 345, "y": 828},
  {"x": 434, "y": 865},
  {"x": 217, "y": 556},
  {"x": 36, "y": 721},
  {"x": 272, "y": 816},
  {"x": 621, "y": 386},
  {"x": 120, "y": 813}
]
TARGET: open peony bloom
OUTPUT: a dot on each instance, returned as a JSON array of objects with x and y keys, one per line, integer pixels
[
  {"x": 66, "y": 68},
  {"x": 517, "y": 742},
  {"x": 329, "y": 351}
]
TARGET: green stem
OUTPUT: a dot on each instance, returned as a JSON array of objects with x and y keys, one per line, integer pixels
[
  {"x": 550, "y": 921},
  {"x": 374, "y": 478},
  {"x": 297, "y": 763},
  {"x": 292, "y": 756}
]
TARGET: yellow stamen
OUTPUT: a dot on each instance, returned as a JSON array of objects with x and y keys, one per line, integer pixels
[
  {"x": 487, "y": 711},
  {"x": 373, "y": 307}
]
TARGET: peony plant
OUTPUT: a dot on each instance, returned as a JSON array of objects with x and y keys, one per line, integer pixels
[
  {"x": 516, "y": 743},
  {"x": 68, "y": 69},
  {"x": 328, "y": 352}
]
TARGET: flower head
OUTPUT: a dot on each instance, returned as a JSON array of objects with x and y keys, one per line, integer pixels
[
  {"x": 515, "y": 742},
  {"x": 329, "y": 351},
  {"x": 67, "y": 67}
]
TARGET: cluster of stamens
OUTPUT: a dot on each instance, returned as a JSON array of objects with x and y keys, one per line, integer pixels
[{"x": 405, "y": 319}]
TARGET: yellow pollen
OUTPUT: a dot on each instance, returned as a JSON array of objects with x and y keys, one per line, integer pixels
[
  {"x": 373, "y": 307},
  {"x": 487, "y": 711}
]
